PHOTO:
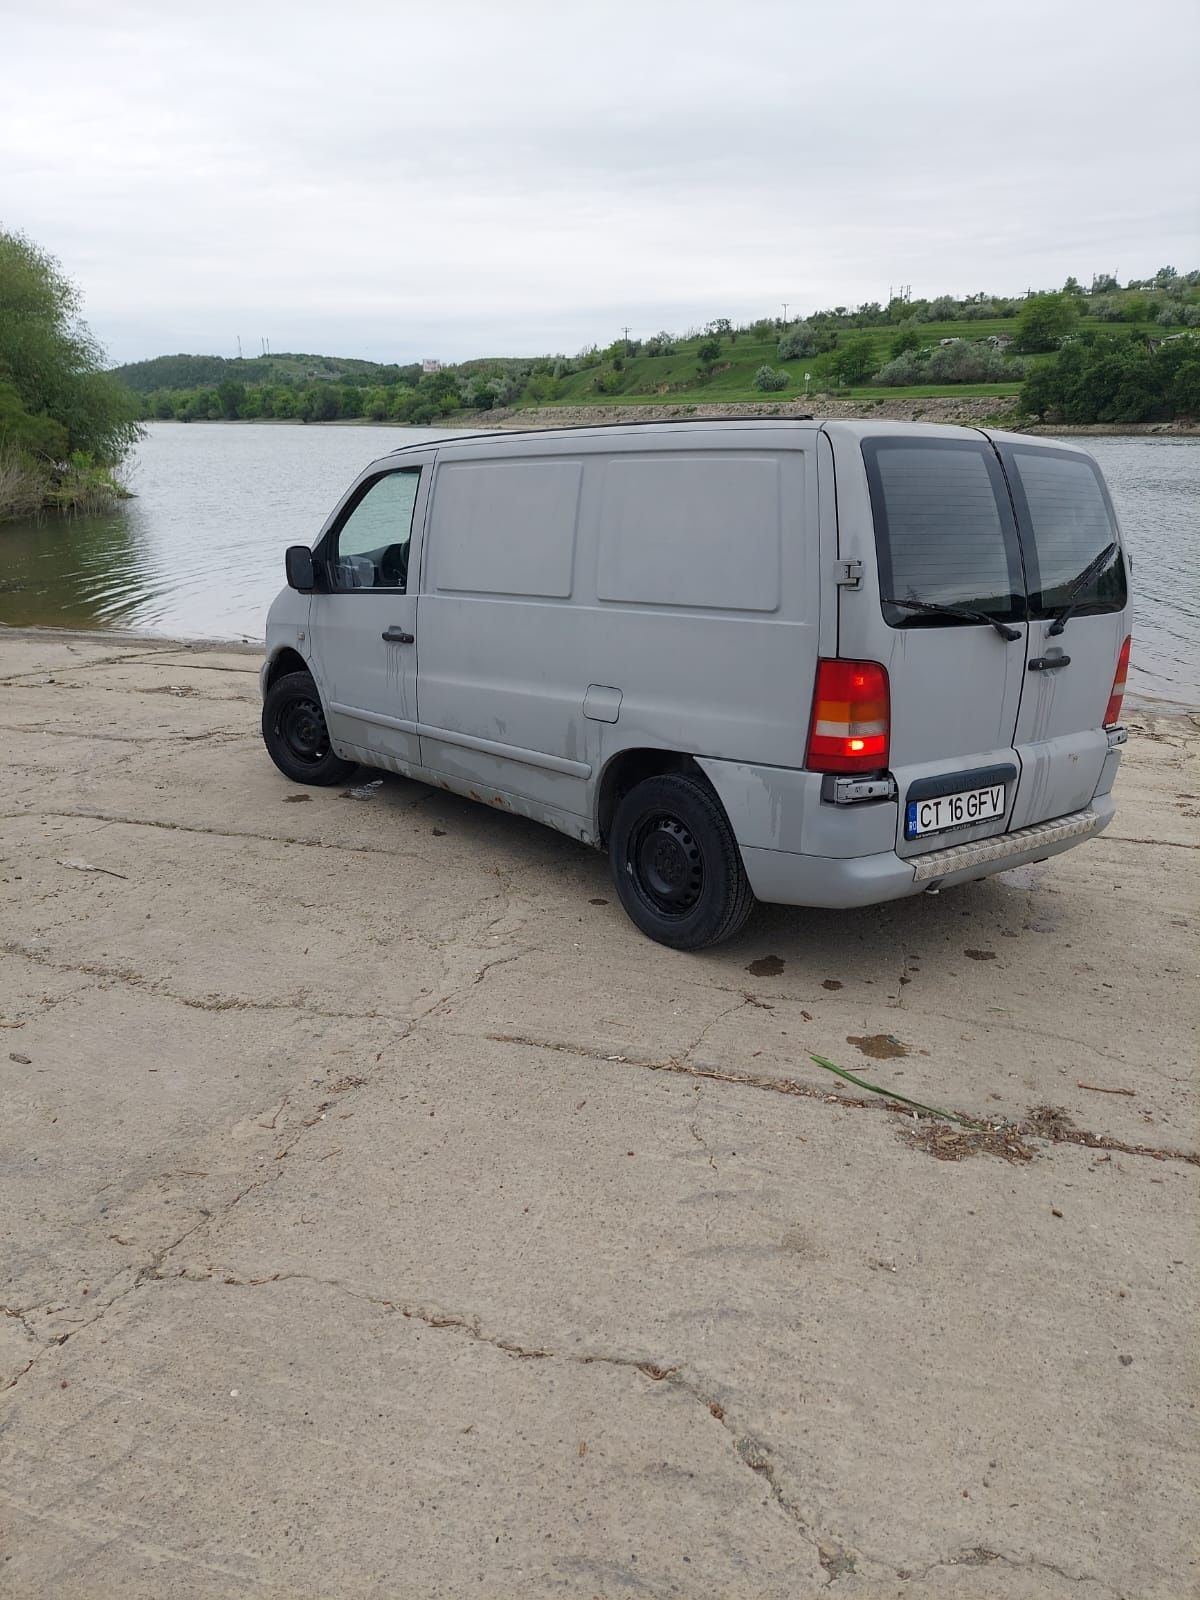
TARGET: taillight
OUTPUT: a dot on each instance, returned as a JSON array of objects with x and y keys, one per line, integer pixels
[
  {"x": 1113, "y": 714},
  {"x": 850, "y": 719}
]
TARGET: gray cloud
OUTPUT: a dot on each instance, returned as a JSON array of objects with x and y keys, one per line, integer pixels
[{"x": 398, "y": 180}]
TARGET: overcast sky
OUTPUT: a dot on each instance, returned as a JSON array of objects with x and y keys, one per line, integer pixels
[{"x": 455, "y": 179}]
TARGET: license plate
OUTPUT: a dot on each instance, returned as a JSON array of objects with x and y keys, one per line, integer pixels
[{"x": 944, "y": 811}]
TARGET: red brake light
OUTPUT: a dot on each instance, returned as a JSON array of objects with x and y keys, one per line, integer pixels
[
  {"x": 851, "y": 718},
  {"x": 1113, "y": 712}
]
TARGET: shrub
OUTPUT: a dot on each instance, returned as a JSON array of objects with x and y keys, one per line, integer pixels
[
  {"x": 767, "y": 378},
  {"x": 901, "y": 371},
  {"x": 970, "y": 363},
  {"x": 799, "y": 340},
  {"x": 660, "y": 345}
]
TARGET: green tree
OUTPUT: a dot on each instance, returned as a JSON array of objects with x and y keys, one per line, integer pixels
[
  {"x": 51, "y": 367},
  {"x": 906, "y": 339},
  {"x": 375, "y": 403},
  {"x": 1105, "y": 377},
  {"x": 325, "y": 402},
  {"x": 854, "y": 361},
  {"x": 707, "y": 355},
  {"x": 232, "y": 397},
  {"x": 1044, "y": 321}
]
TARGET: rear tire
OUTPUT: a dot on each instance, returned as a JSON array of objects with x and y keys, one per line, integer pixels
[
  {"x": 294, "y": 732},
  {"x": 676, "y": 864}
]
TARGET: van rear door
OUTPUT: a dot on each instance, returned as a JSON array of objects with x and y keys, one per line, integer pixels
[
  {"x": 1066, "y": 522},
  {"x": 931, "y": 522}
]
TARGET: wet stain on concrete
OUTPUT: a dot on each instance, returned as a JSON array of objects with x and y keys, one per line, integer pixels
[
  {"x": 879, "y": 1046},
  {"x": 766, "y": 967},
  {"x": 980, "y": 955},
  {"x": 832, "y": 983}
]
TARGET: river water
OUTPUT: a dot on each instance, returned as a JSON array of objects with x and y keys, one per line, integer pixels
[{"x": 199, "y": 552}]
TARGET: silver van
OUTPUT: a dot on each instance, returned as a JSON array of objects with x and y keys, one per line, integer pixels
[{"x": 818, "y": 664}]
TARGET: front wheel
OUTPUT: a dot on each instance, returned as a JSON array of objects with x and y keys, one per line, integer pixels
[
  {"x": 676, "y": 864},
  {"x": 294, "y": 731}
]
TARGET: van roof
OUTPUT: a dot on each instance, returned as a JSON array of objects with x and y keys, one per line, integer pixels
[
  {"x": 848, "y": 427},
  {"x": 806, "y": 424}
]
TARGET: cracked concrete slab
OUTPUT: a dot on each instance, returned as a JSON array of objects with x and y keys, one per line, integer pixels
[{"x": 528, "y": 1277}]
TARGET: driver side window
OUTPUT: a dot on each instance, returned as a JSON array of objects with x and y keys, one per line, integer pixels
[{"x": 371, "y": 547}]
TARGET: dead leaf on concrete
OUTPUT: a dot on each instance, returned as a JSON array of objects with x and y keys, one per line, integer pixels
[{"x": 77, "y": 865}]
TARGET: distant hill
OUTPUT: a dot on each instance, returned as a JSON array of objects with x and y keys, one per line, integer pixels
[{"x": 206, "y": 372}]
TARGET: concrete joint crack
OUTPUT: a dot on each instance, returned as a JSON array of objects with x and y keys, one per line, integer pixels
[{"x": 1053, "y": 1131}]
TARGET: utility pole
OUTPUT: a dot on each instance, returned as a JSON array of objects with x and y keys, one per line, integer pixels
[
  {"x": 239, "y": 340},
  {"x": 785, "y": 306}
]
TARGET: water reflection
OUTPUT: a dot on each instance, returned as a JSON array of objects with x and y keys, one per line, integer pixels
[
  {"x": 199, "y": 552},
  {"x": 70, "y": 572}
]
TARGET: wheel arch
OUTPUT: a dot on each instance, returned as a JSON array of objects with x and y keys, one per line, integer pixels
[
  {"x": 285, "y": 661},
  {"x": 628, "y": 768}
]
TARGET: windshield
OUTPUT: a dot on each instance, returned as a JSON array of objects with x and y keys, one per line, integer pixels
[
  {"x": 944, "y": 530},
  {"x": 1067, "y": 521}
]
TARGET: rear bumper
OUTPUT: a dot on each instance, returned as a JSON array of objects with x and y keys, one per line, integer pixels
[{"x": 786, "y": 878}]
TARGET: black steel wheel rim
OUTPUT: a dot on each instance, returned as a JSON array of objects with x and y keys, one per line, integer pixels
[
  {"x": 666, "y": 865},
  {"x": 300, "y": 726}
]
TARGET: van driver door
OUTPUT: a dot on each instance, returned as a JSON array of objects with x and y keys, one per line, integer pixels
[{"x": 363, "y": 622}]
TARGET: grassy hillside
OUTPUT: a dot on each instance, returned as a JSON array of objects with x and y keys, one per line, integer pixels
[
  {"x": 649, "y": 379},
  {"x": 908, "y": 350}
]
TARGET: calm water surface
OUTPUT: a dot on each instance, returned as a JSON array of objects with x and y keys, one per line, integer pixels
[{"x": 199, "y": 552}]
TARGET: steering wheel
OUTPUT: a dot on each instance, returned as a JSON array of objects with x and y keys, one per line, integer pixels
[{"x": 393, "y": 567}]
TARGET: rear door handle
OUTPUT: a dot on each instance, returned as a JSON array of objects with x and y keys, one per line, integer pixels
[
  {"x": 1038, "y": 664},
  {"x": 397, "y": 636}
]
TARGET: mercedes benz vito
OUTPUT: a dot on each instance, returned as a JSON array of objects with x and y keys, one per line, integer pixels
[{"x": 818, "y": 664}]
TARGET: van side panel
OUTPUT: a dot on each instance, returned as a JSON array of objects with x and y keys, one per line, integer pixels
[
  {"x": 705, "y": 600},
  {"x": 498, "y": 691},
  {"x": 689, "y": 624}
]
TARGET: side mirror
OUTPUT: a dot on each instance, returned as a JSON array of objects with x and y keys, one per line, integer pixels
[{"x": 301, "y": 573}]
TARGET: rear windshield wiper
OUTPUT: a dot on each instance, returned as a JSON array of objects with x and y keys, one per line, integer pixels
[
  {"x": 1075, "y": 592},
  {"x": 1002, "y": 628}
]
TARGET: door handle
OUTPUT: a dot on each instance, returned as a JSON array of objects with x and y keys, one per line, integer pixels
[
  {"x": 397, "y": 636},
  {"x": 1044, "y": 663}
]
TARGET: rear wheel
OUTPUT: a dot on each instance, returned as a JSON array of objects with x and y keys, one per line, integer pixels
[
  {"x": 676, "y": 864},
  {"x": 294, "y": 731}
]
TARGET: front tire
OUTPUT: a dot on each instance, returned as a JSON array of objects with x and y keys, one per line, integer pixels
[
  {"x": 676, "y": 864},
  {"x": 294, "y": 732}
]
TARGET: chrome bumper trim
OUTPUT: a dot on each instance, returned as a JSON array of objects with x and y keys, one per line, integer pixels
[{"x": 940, "y": 863}]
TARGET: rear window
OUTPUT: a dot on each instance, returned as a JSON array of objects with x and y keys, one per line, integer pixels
[
  {"x": 1066, "y": 521},
  {"x": 944, "y": 531}
]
